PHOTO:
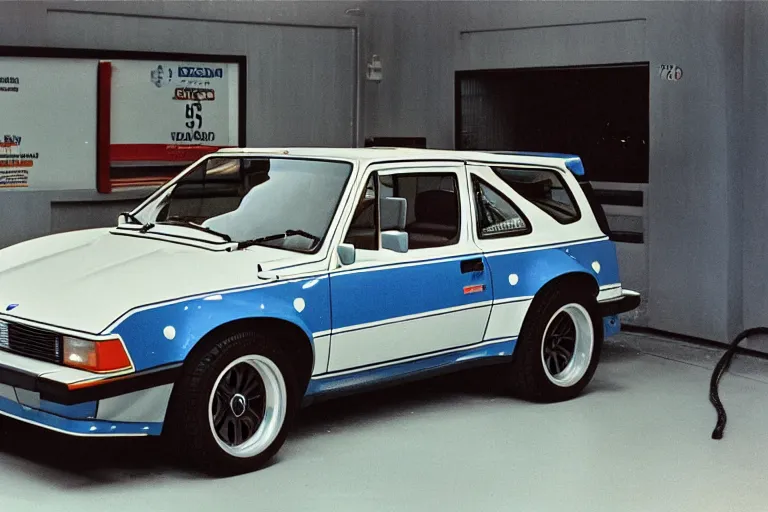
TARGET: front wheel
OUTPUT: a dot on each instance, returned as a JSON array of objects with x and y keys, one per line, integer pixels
[
  {"x": 231, "y": 409},
  {"x": 558, "y": 348},
  {"x": 247, "y": 406}
]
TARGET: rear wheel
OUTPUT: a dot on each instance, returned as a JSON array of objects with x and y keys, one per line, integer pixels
[
  {"x": 558, "y": 348},
  {"x": 231, "y": 410}
]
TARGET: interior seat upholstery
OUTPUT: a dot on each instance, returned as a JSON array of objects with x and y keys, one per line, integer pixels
[{"x": 436, "y": 223}]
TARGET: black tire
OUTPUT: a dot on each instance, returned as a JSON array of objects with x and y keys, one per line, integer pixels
[
  {"x": 526, "y": 375},
  {"x": 187, "y": 425}
]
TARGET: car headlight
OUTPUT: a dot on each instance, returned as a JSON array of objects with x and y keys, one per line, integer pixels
[{"x": 95, "y": 356}]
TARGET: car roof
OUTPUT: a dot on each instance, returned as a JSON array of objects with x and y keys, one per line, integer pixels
[{"x": 390, "y": 154}]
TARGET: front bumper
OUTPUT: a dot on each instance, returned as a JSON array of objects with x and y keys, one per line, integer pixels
[
  {"x": 81, "y": 403},
  {"x": 76, "y": 427}
]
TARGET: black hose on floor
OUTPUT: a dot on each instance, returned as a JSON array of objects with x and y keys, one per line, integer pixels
[{"x": 720, "y": 369}]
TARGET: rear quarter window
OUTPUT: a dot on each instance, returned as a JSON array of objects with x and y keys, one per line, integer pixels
[{"x": 543, "y": 188}]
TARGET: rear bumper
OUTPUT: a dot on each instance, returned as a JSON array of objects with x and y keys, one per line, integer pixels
[{"x": 627, "y": 301}]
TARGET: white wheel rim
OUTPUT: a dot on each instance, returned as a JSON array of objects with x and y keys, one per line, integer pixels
[
  {"x": 567, "y": 371},
  {"x": 271, "y": 409}
]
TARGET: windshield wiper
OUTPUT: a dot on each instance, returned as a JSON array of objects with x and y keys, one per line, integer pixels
[
  {"x": 189, "y": 224},
  {"x": 291, "y": 232},
  {"x": 134, "y": 220}
]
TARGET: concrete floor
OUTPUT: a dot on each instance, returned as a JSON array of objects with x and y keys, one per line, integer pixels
[{"x": 637, "y": 440}]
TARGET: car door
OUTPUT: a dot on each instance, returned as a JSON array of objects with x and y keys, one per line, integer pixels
[
  {"x": 389, "y": 306},
  {"x": 518, "y": 240}
]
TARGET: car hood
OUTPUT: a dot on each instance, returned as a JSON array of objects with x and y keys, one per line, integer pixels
[{"x": 85, "y": 280}]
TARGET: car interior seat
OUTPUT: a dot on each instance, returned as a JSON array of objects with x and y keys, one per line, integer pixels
[{"x": 436, "y": 219}]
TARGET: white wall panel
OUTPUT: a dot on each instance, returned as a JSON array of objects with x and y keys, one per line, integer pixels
[
  {"x": 49, "y": 111},
  {"x": 561, "y": 45}
]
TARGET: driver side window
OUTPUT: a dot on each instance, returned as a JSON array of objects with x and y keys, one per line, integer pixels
[{"x": 424, "y": 206}]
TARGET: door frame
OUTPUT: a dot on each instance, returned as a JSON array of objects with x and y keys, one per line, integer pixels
[
  {"x": 383, "y": 260},
  {"x": 415, "y": 167}
]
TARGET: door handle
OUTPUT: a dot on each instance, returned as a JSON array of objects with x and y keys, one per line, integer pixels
[{"x": 473, "y": 265}]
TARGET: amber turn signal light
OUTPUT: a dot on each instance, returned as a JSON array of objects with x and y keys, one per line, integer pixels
[{"x": 95, "y": 356}]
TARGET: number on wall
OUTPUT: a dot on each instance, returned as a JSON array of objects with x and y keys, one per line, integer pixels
[{"x": 670, "y": 72}]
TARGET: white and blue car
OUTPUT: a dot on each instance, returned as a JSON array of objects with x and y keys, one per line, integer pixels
[{"x": 260, "y": 279}]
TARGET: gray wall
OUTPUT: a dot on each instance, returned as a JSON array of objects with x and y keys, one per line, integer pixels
[
  {"x": 754, "y": 165},
  {"x": 303, "y": 62},
  {"x": 690, "y": 267}
]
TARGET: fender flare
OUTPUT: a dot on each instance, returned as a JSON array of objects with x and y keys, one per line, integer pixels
[{"x": 167, "y": 333}]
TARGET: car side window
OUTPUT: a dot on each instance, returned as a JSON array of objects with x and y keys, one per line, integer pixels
[
  {"x": 432, "y": 207},
  {"x": 496, "y": 215},
  {"x": 545, "y": 189},
  {"x": 423, "y": 205}
]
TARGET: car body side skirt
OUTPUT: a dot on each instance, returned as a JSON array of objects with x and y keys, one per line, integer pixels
[{"x": 335, "y": 383}]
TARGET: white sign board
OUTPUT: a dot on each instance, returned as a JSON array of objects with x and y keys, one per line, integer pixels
[
  {"x": 174, "y": 103},
  {"x": 47, "y": 124}
]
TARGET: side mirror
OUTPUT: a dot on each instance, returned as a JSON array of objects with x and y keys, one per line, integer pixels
[
  {"x": 346, "y": 254},
  {"x": 394, "y": 241},
  {"x": 122, "y": 219}
]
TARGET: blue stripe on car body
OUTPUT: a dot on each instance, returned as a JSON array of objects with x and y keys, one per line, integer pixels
[
  {"x": 192, "y": 318},
  {"x": 534, "y": 269},
  {"x": 404, "y": 290}
]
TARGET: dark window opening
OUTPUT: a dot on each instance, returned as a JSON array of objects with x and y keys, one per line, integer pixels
[
  {"x": 597, "y": 112},
  {"x": 597, "y": 208},
  {"x": 426, "y": 206},
  {"x": 432, "y": 208},
  {"x": 399, "y": 142},
  {"x": 543, "y": 188}
]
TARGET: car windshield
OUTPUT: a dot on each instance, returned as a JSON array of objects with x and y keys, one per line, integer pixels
[{"x": 284, "y": 203}]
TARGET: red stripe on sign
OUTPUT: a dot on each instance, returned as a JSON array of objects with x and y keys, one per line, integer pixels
[
  {"x": 475, "y": 288},
  {"x": 103, "y": 122},
  {"x": 159, "y": 152}
]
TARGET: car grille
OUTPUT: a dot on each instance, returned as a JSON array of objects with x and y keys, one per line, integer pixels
[{"x": 30, "y": 341}]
